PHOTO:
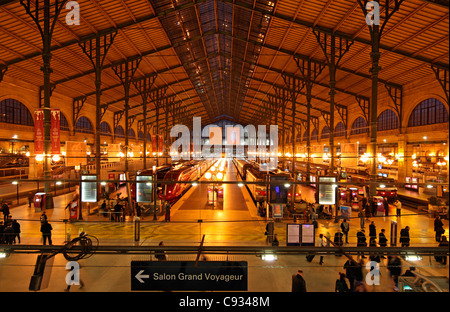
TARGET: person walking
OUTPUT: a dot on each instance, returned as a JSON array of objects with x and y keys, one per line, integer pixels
[
  {"x": 138, "y": 211},
  {"x": 46, "y": 229},
  {"x": 438, "y": 228},
  {"x": 43, "y": 217},
  {"x": 395, "y": 269},
  {"x": 350, "y": 267},
  {"x": 30, "y": 199},
  {"x": 117, "y": 211},
  {"x": 442, "y": 243},
  {"x": 167, "y": 207},
  {"x": 404, "y": 237},
  {"x": 345, "y": 227},
  {"x": 320, "y": 243},
  {"x": 16, "y": 227},
  {"x": 269, "y": 232},
  {"x": 8, "y": 233},
  {"x": 5, "y": 210},
  {"x": 298, "y": 282}
]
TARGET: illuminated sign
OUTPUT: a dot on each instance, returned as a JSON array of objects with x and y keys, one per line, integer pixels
[
  {"x": 144, "y": 189},
  {"x": 88, "y": 189}
]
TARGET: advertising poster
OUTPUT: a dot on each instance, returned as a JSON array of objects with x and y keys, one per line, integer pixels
[
  {"x": 76, "y": 153},
  {"x": 55, "y": 131},
  {"x": 161, "y": 143},
  {"x": 154, "y": 144},
  {"x": 345, "y": 212},
  {"x": 39, "y": 131},
  {"x": 277, "y": 210}
]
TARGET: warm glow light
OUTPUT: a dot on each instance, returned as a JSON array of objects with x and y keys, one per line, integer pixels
[
  {"x": 208, "y": 175},
  {"x": 56, "y": 158},
  {"x": 39, "y": 157},
  {"x": 219, "y": 176}
]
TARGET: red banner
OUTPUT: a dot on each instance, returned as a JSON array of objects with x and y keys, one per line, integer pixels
[
  {"x": 55, "y": 131},
  {"x": 39, "y": 131},
  {"x": 161, "y": 143},
  {"x": 154, "y": 147}
]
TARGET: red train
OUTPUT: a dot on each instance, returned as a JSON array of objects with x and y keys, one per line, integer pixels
[{"x": 189, "y": 171}]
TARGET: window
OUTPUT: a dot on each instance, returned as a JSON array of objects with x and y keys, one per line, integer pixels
[
  {"x": 14, "y": 112},
  {"x": 387, "y": 120},
  {"x": 131, "y": 133},
  {"x": 305, "y": 136},
  {"x": 105, "y": 129},
  {"x": 63, "y": 123},
  {"x": 149, "y": 137},
  {"x": 359, "y": 126},
  {"x": 325, "y": 133},
  {"x": 314, "y": 134},
  {"x": 340, "y": 130},
  {"x": 83, "y": 125},
  {"x": 141, "y": 135},
  {"x": 299, "y": 137},
  {"x": 428, "y": 112},
  {"x": 118, "y": 132}
]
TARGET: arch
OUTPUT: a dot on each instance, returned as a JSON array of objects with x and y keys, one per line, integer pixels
[
  {"x": 407, "y": 109},
  {"x": 63, "y": 122},
  {"x": 387, "y": 120},
  {"x": 428, "y": 112},
  {"x": 119, "y": 132},
  {"x": 83, "y": 125},
  {"x": 105, "y": 129},
  {"x": 340, "y": 130},
  {"x": 298, "y": 139},
  {"x": 314, "y": 134},
  {"x": 325, "y": 133},
  {"x": 131, "y": 133},
  {"x": 141, "y": 135},
  {"x": 15, "y": 112},
  {"x": 305, "y": 136},
  {"x": 359, "y": 126}
]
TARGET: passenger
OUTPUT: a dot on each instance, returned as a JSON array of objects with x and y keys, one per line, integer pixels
[
  {"x": 386, "y": 207},
  {"x": 46, "y": 230},
  {"x": 161, "y": 254},
  {"x": 117, "y": 211},
  {"x": 404, "y": 237},
  {"x": 350, "y": 271},
  {"x": 338, "y": 240},
  {"x": 361, "y": 241},
  {"x": 30, "y": 198},
  {"x": 438, "y": 228},
  {"x": 298, "y": 282},
  {"x": 394, "y": 267},
  {"x": 5, "y": 210},
  {"x": 16, "y": 227},
  {"x": 341, "y": 284},
  {"x": 320, "y": 243},
  {"x": 443, "y": 243},
  {"x": 43, "y": 217},
  {"x": 269, "y": 232},
  {"x": 275, "y": 241},
  {"x": 398, "y": 206},
  {"x": 382, "y": 240},
  {"x": 345, "y": 227},
  {"x": 8, "y": 233},
  {"x": 372, "y": 230},
  {"x": 2, "y": 230},
  {"x": 362, "y": 222},
  {"x": 167, "y": 207}
]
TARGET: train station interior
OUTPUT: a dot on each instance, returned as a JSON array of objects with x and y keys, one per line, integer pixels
[{"x": 218, "y": 145}]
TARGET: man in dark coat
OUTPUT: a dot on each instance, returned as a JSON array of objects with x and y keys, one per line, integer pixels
[
  {"x": 438, "y": 228},
  {"x": 46, "y": 230},
  {"x": 361, "y": 241},
  {"x": 298, "y": 282},
  {"x": 404, "y": 237}
]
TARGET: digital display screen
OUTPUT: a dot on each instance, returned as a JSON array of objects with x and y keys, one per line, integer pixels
[
  {"x": 88, "y": 189},
  {"x": 327, "y": 194},
  {"x": 144, "y": 189}
]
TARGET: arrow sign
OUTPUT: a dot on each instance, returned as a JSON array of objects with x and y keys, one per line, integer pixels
[{"x": 140, "y": 276}]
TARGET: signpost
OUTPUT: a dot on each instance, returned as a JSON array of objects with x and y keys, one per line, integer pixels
[{"x": 189, "y": 275}]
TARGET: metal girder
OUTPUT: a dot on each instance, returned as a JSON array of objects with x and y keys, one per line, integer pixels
[
  {"x": 364, "y": 105},
  {"x": 41, "y": 93},
  {"x": 340, "y": 34},
  {"x": 396, "y": 95},
  {"x": 442, "y": 76},
  {"x": 3, "y": 69},
  {"x": 77, "y": 105},
  {"x": 116, "y": 118}
]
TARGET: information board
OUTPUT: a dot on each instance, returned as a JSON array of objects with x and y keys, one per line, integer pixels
[
  {"x": 144, "y": 189},
  {"x": 307, "y": 234},
  {"x": 327, "y": 192},
  {"x": 88, "y": 189},
  {"x": 189, "y": 275},
  {"x": 293, "y": 234},
  {"x": 278, "y": 192}
]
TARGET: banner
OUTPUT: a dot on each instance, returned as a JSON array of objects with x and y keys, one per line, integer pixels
[
  {"x": 161, "y": 143},
  {"x": 55, "y": 131},
  {"x": 154, "y": 145},
  {"x": 39, "y": 131}
]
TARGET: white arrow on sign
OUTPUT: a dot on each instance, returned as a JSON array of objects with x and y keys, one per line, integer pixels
[{"x": 140, "y": 276}]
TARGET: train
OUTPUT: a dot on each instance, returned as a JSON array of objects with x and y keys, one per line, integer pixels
[
  {"x": 160, "y": 173},
  {"x": 251, "y": 172},
  {"x": 184, "y": 172}
]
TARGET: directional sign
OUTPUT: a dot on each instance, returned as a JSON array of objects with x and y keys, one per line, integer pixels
[{"x": 187, "y": 275}]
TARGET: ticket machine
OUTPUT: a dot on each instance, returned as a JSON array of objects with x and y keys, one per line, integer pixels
[{"x": 40, "y": 201}]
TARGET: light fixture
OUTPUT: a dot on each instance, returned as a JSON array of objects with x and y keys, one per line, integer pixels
[
  {"x": 194, "y": 184},
  {"x": 269, "y": 257},
  {"x": 240, "y": 184},
  {"x": 208, "y": 175},
  {"x": 219, "y": 175}
]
